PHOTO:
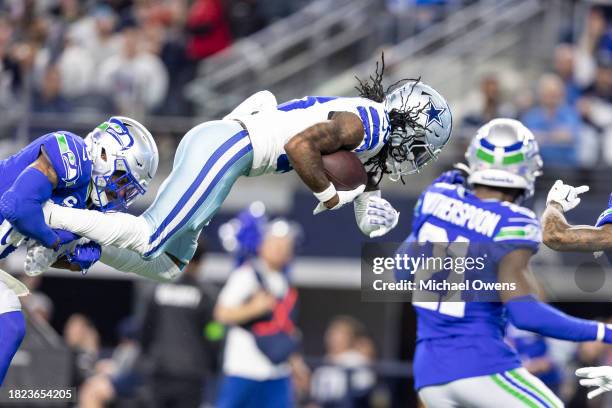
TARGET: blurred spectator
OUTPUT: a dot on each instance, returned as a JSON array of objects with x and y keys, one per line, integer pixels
[
  {"x": 207, "y": 29},
  {"x": 564, "y": 67},
  {"x": 83, "y": 340},
  {"x": 596, "y": 108},
  {"x": 345, "y": 380},
  {"x": 592, "y": 47},
  {"x": 257, "y": 302},
  {"x": 117, "y": 376},
  {"x": 555, "y": 124},
  {"x": 135, "y": 79},
  {"x": 49, "y": 98},
  {"x": 489, "y": 106},
  {"x": 179, "y": 338},
  {"x": 94, "y": 33}
]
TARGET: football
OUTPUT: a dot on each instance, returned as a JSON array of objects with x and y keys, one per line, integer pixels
[{"x": 344, "y": 170}]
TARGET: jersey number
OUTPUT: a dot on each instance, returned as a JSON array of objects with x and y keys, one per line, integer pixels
[{"x": 442, "y": 248}]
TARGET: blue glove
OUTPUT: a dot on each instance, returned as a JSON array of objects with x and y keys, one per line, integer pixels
[
  {"x": 85, "y": 255},
  {"x": 451, "y": 177},
  {"x": 65, "y": 237}
]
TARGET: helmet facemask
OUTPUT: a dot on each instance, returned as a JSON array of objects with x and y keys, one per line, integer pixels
[{"x": 408, "y": 152}]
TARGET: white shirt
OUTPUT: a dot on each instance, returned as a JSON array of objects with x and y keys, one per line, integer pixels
[
  {"x": 242, "y": 357},
  {"x": 271, "y": 128}
]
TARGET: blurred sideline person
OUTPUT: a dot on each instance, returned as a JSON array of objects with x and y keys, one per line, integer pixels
[
  {"x": 174, "y": 338},
  {"x": 461, "y": 358},
  {"x": 117, "y": 376},
  {"x": 394, "y": 131},
  {"x": 345, "y": 379},
  {"x": 258, "y": 304}
]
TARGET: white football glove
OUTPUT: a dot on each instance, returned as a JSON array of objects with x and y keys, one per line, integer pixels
[
  {"x": 345, "y": 198},
  {"x": 38, "y": 258},
  {"x": 565, "y": 195},
  {"x": 374, "y": 215},
  {"x": 600, "y": 377}
]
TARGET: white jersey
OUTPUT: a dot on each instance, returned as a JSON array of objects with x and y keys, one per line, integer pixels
[{"x": 270, "y": 129}]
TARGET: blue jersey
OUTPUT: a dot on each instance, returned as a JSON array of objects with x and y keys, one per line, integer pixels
[
  {"x": 67, "y": 154},
  {"x": 462, "y": 339},
  {"x": 606, "y": 218}
]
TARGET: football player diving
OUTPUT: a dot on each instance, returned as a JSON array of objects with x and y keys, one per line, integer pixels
[
  {"x": 106, "y": 171},
  {"x": 392, "y": 132}
]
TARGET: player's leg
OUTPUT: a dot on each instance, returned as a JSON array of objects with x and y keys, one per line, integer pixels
[
  {"x": 509, "y": 389},
  {"x": 438, "y": 396},
  {"x": 12, "y": 327},
  {"x": 209, "y": 161}
]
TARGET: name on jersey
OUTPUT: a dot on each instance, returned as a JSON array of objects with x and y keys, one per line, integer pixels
[{"x": 459, "y": 213}]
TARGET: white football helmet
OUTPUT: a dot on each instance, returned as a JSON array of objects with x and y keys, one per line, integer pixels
[
  {"x": 421, "y": 125},
  {"x": 504, "y": 153},
  {"x": 124, "y": 161}
]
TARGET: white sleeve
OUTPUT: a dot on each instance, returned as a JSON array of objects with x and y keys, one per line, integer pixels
[
  {"x": 107, "y": 229},
  {"x": 240, "y": 285},
  {"x": 161, "y": 268}
]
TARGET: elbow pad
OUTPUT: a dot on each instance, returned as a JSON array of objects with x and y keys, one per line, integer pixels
[
  {"x": 161, "y": 268},
  {"x": 21, "y": 205}
]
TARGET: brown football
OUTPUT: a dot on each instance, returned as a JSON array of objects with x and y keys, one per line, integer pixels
[{"x": 344, "y": 170}]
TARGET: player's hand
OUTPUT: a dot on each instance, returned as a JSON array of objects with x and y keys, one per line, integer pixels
[
  {"x": 565, "y": 195},
  {"x": 344, "y": 197},
  {"x": 64, "y": 237},
  {"x": 381, "y": 216},
  {"x": 85, "y": 255},
  {"x": 38, "y": 258},
  {"x": 451, "y": 177},
  {"x": 600, "y": 377}
]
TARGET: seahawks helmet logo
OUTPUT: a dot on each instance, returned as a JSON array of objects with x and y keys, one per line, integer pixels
[{"x": 119, "y": 132}]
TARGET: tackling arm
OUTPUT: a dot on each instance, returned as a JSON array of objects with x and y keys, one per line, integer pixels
[
  {"x": 343, "y": 131},
  {"x": 526, "y": 312},
  {"x": 22, "y": 203},
  {"x": 559, "y": 235}
]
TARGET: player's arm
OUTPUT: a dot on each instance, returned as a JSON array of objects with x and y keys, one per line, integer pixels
[
  {"x": 344, "y": 131},
  {"x": 22, "y": 203},
  {"x": 526, "y": 312},
  {"x": 559, "y": 235}
]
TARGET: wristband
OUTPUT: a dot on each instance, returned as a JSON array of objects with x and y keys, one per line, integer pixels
[
  {"x": 601, "y": 331},
  {"x": 326, "y": 194}
]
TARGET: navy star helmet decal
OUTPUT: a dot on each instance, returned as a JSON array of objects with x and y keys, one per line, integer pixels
[{"x": 433, "y": 113}]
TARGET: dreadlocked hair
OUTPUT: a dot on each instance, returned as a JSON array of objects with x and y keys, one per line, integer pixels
[{"x": 402, "y": 118}]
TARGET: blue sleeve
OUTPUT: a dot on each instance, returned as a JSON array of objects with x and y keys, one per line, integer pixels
[
  {"x": 528, "y": 313},
  {"x": 66, "y": 153},
  {"x": 22, "y": 205},
  {"x": 606, "y": 216}
]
